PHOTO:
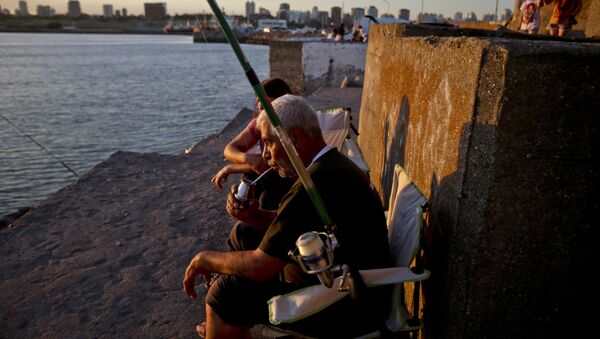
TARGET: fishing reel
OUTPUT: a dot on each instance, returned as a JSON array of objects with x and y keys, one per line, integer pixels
[{"x": 314, "y": 254}]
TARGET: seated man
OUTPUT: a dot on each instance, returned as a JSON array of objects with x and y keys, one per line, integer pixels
[{"x": 237, "y": 300}]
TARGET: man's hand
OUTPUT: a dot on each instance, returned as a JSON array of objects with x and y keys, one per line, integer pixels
[
  {"x": 193, "y": 270},
  {"x": 243, "y": 211}
]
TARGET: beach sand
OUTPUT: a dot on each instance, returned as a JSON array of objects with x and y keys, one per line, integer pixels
[{"x": 105, "y": 256}]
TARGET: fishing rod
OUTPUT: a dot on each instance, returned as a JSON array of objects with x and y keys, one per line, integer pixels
[
  {"x": 40, "y": 145},
  {"x": 274, "y": 119}
]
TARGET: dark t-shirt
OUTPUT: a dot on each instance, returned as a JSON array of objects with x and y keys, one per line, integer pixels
[{"x": 353, "y": 206}]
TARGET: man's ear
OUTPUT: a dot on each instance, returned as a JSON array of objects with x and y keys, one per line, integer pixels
[{"x": 296, "y": 134}]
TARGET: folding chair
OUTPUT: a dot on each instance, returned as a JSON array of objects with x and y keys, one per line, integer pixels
[{"x": 405, "y": 229}]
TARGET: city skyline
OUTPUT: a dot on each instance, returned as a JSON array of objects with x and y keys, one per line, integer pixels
[{"x": 237, "y": 7}]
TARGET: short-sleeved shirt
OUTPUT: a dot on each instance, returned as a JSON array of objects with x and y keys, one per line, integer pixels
[{"x": 353, "y": 206}]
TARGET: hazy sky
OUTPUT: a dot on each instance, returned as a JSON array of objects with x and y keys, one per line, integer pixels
[{"x": 445, "y": 7}]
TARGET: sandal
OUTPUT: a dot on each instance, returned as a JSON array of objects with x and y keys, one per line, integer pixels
[{"x": 201, "y": 329}]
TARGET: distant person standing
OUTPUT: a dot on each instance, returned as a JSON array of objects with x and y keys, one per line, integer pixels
[
  {"x": 563, "y": 16},
  {"x": 530, "y": 17}
]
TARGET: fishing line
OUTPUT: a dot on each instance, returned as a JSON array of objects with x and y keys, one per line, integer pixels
[{"x": 40, "y": 145}]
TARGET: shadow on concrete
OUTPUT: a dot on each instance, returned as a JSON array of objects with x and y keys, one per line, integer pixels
[{"x": 395, "y": 149}]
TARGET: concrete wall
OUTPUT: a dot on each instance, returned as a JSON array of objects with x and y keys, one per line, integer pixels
[
  {"x": 308, "y": 66},
  {"x": 501, "y": 135},
  {"x": 592, "y": 29}
]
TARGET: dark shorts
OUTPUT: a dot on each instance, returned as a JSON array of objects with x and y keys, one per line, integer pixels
[{"x": 243, "y": 303}]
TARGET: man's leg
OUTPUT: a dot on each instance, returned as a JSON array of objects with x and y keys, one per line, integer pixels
[{"x": 217, "y": 328}]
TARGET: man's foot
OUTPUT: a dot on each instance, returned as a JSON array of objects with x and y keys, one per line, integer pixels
[{"x": 201, "y": 329}]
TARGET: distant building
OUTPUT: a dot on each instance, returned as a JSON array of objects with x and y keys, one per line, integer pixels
[
  {"x": 107, "y": 11},
  {"x": 372, "y": 11},
  {"x": 427, "y": 17},
  {"x": 471, "y": 17},
  {"x": 250, "y": 8},
  {"x": 387, "y": 15},
  {"x": 323, "y": 18},
  {"x": 336, "y": 15},
  {"x": 282, "y": 13},
  {"x": 348, "y": 20},
  {"x": 458, "y": 17},
  {"x": 357, "y": 13},
  {"x": 23, "y": 11},
  {"x": 314, "y": 13},
  {"x": 155, "y": 10},
  {"x": 124, "y": 12},
  {"x": 489, "y": 17},
  {"x": 264, "y": 11},
  {"x": 45, "y": 11},
  {"x": 5, "y": 11},
  {"x": 404, "y": 14},
  {"x": 298, "y": 17},
  {"x": 506, "y": 14},
  {"x": 117, "y": 13},
  {"x": 73, "y": 8}
]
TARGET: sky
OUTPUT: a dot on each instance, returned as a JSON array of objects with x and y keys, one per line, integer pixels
[{"x": 135, "y": 7}]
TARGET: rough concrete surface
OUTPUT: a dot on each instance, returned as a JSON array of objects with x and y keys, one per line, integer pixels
[
  {"x": 501, "y": 135},
  {"x": 592, "y": 29},
  {"x": 105, "y": 256}
]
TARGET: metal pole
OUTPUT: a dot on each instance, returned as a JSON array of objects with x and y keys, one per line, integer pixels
[
  {"x": 274, "y": 119},
  {"x": 496, "y": 15}
]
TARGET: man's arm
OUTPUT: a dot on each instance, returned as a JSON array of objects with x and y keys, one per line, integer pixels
[{"x": 254, "y": 265}]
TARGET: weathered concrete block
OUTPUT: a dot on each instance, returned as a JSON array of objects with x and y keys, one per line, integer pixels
[
  {"x": 308, "y": 65},
  {"x": 592, "y": 29},
  {"x": 501, "y": 135}
]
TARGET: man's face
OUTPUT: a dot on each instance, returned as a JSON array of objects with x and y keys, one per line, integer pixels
[{"x": 274, "y": 153}]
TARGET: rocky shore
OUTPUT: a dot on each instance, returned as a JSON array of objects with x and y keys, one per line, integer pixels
[{"x": 104, "y": 256}]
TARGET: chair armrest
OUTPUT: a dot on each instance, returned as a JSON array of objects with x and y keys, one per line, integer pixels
[{"x": 291, "y": 307}]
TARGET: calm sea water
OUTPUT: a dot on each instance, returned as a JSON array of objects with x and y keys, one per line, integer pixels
[{"x": 84, "y": 97}]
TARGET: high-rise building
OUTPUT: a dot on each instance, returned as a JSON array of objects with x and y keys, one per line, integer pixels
[
  {"x": 372, "y": 11},
  {"x": 282, "y": 13},
  {"x": 357, "y": 13},
  {"x": 23, "y": 11},
  {"x": 124, "y": 12},
  {"x": 250, "y": 8},
  {"x": 314, "y": 14},
  {"x": 73, "y": 8},
  {"x": 45, "y": 11},
  {"x": 5, "y": 11},
  {"x": 107, "y": 11},
  {"x": 155, "y": 10},
  {"x": 336, "y": 15},
  {"x": 458, "y": 17},
  {"x": 404, "y": 14}
]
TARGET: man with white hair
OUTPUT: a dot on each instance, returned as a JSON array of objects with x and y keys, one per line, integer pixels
[{"x": 237, "y": 300}]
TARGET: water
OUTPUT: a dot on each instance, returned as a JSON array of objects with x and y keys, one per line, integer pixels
[{"x": 85, "y": 96}]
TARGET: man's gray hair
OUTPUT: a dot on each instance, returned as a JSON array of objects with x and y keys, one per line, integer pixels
[{"x": 293, "y": 112}]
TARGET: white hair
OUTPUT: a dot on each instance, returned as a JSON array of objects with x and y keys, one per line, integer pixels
[{"x": 294, "y": 111}]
